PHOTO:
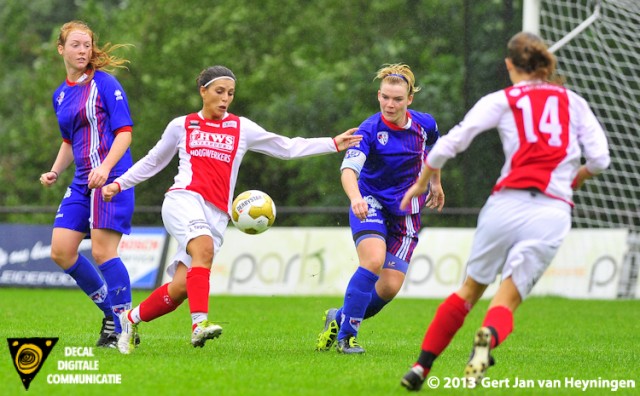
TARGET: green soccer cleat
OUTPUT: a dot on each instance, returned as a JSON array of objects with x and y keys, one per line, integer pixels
[
  {"x": 328, "y": 336},
  {"x": 129, "y": 337},
  {"x": 204, "y": 331},
  {"x": 481, "y": 358},
  {"x": 349, "y": 346}
]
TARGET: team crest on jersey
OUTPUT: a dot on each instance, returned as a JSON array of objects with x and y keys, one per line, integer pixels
[
  {"x": 383, "y": 137},
  {"x": 352, "y": 153},
  {"x": 60, "y": 98},
  {"x": 230, "y": 124}
]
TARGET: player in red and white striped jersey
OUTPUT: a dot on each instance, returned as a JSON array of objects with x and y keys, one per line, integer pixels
[
  {"x": 545, "y": 129},
  {"x": 210, "y": 145}
]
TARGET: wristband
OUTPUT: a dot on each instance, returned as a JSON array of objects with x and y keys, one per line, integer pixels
[{"x": 54, "y": 172}]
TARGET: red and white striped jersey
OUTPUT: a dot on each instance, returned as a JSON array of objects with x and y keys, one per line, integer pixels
[
  {"x": 210, "y": 153},
  {"x": 544, "y": 128}
]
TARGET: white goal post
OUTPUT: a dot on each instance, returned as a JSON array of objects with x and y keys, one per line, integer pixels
[{"x": 597, "y": 44}]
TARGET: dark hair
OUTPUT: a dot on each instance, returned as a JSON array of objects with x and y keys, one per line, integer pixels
[
  {"x": 530, "y": 54},
  {"x": 212, "y": 72}
]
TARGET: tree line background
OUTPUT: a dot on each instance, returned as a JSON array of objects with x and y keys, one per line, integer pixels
[{"x": 303, "y": 68}]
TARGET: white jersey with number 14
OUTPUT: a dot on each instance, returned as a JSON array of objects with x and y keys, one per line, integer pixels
[{"x": 544, "y": 129}]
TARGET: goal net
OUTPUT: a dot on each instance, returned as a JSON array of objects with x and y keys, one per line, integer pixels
[{"x": 597, "y": 44}]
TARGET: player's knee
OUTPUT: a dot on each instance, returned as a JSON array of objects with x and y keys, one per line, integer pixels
[
  {"x": 102, "y": 256},
  {"x": 201, "y": 252},
  {"x": 65, "y": 258},
  {"x": 178, "y": 290}
]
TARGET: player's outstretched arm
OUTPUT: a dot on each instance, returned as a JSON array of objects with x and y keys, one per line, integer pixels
[
  {"x": 109, "y": 191},
  {"x": 346, "y": 139}
]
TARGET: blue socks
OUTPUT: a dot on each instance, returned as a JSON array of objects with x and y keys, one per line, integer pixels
[
  {"x": 89, "y": 280},
  {"x": 119, "y": 287},
  {"x": 112, "y": 300},
  {"x": 375, "y": 305},
  {"x": 356, "y": 299}
]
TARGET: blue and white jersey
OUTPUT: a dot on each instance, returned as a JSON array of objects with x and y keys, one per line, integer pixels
[
  {"x": 389, "y": 158},
  {"x": 89, "y": 115}
]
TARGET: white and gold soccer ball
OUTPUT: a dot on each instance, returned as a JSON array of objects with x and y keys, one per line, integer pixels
[{"x": 253, "y": 212}]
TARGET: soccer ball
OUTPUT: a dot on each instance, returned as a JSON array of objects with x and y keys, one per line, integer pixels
[{"x": 253, "y": 212}]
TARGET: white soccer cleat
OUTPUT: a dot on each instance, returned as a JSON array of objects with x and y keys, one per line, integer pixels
[
  {"x": 127, "y": 339},
  {"x": 204, "y": 331}
]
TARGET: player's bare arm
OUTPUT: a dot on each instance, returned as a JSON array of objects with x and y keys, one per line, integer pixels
[
  {"x": 419, "y": 187},
  {"x": 63, "y": 160},
  {"x": 349, "y": 180},
  {"x": 98, "y": 176},
  {"x": 435, "y": 198}
]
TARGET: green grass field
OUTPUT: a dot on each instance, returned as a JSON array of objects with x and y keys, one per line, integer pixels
[{"x": 267, "y": 347}]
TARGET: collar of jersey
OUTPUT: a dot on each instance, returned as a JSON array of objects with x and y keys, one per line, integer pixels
[{"x": 394, "y": 126}]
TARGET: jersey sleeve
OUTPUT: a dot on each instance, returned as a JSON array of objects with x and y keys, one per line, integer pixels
[
  {"x": 591, "y": 137},
  {"x": 278, "y": 146},
  {"x": 355, "y": 157},
  {"x": 157, "y": 158},
  {"x": 483, "y": 116},
  {"x": 116, "y": 102},
  {"x": 55, "y": 100}
]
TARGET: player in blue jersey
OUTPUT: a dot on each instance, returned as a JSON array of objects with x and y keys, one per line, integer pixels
[
  {"x": 95, "y": 124},
  {"x": 375, "y": 176}
]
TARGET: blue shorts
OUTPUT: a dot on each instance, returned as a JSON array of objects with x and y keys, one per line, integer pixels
[
  {"x": 400, "y": 233},
  {"x": 83, "y": 209}
]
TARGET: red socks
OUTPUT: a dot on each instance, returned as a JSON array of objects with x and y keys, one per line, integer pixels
[
  {"x": 448, "y": 319},
  {"x": 500, "y": 320},
  {"x": 157, "y": 304},
  {"x": 198, "y": 289}
]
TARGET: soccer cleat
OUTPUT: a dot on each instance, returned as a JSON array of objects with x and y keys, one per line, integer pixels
[
  {"x": 413, "y": 379},
  {"x": 128, "y": 339},
  {"x": 328, "y": 336},
  {"x": 108, "y": 339},
  {"x": 204, "y": 331},
  {"x": 481, "y": 358},
  {"x": 349, "y": 346}
]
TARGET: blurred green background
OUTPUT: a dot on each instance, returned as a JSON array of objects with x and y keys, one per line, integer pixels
[{"x": 304, "y": 68}]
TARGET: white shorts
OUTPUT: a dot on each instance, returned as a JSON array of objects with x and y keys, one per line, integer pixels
[
  {"x": 186, "y": 215},
  {"x": 518, "y": 234}
]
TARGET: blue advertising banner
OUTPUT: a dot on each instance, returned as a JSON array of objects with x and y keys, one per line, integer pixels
[{"x": 25, "y": 256}]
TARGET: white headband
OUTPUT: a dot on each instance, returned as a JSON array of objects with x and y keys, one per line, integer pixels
[{"x": 218, "y": 78}]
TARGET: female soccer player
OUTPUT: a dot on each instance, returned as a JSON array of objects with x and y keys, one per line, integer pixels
[
  {"x": 542, "y": 127},
  {"x": 210, "y": 145},
  {"x": 375, "y": 176},
  {"x": 93, "y": 116}
]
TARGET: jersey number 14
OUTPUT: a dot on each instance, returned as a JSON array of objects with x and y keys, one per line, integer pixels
[{"x": 549, "y": 122}]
